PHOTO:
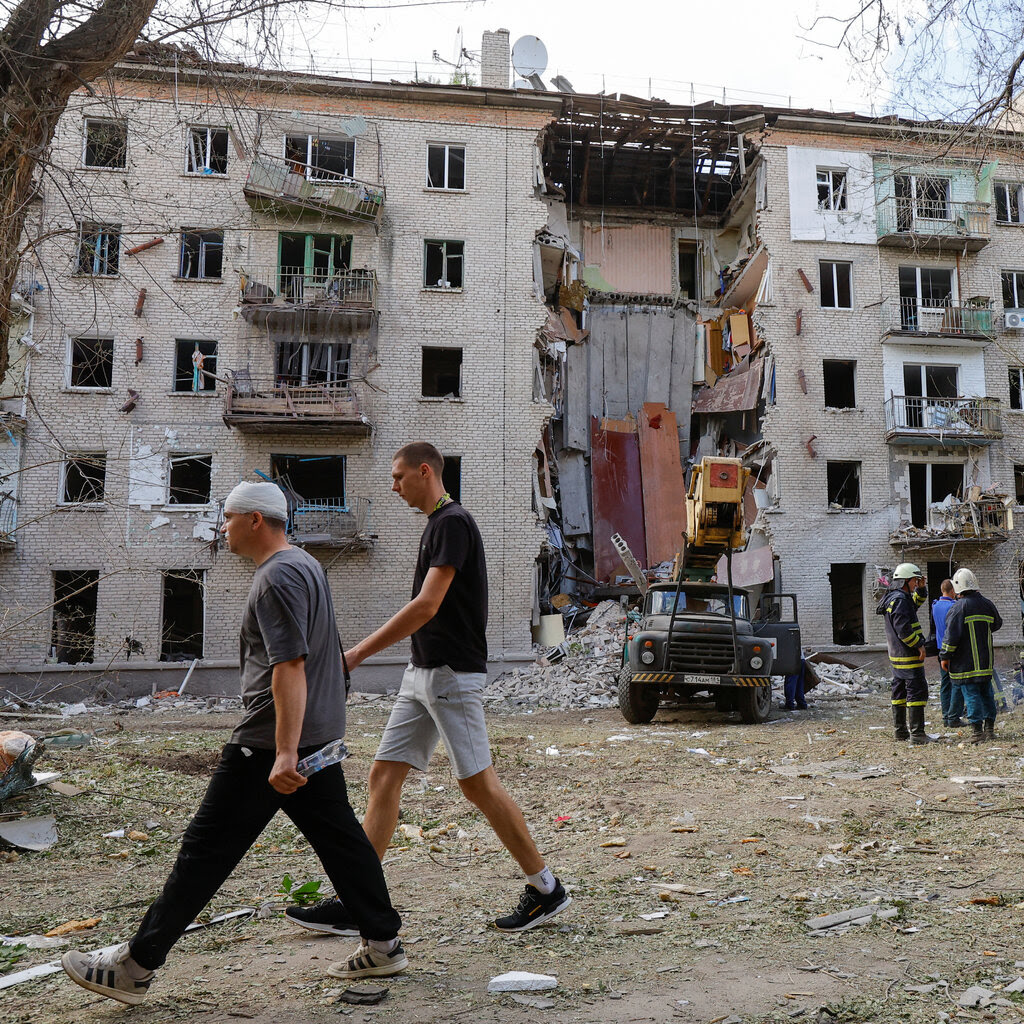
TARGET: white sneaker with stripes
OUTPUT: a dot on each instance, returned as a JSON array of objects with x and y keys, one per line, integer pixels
[
  {"x": 105, "y": 972},
  {"x": 367, "y": 962}
]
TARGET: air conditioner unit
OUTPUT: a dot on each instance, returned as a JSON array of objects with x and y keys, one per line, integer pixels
[{"x": 1013, "y": 319}]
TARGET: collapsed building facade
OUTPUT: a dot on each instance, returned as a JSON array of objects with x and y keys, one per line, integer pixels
[{"x": 241, "y": 275}]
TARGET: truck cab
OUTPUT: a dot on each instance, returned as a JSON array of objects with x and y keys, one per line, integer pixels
[{"x": 686, "y": 641}]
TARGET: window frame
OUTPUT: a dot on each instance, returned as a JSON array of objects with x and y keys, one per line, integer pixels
[
  {"x": 459, "y": 394},
  {"x": 1019, "y": 382},
  {"x": 205, "y": 170},
  {"x": 1017, "y": 289},
  {"x": 1005, "y": 186},
  {"x": 187, "y": 457},
  {"x": 203, "y": 248},
  {"x": 444, "y": 242},
  {"x": 199, "y": 577},
  {"x": 860, "y": 484},
  {"x": 63, "y": 501},
  {"x": 69, "y": 363},
  {"x": 831, "y": 205},
  {"x": 834, "y": 264},
  {"x": 86, "y": 122},
  {"x": 852, "y": 364},
  {"x": 101, "y": 230},
  {"x": 447, "y": 147},
  {"x": 309, "y": 172},
  {"x": 178, "y": 343}
]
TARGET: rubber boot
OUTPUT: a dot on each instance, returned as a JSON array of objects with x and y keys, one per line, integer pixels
[
  {"x": 918, "y": 737},
  {"x": 990, "y": 728},
  {"x": 977, "y": 732},
  {"x": 899, "y": 722}
]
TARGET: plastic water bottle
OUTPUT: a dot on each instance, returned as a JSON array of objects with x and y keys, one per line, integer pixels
[{"x": 334, "y": 752}]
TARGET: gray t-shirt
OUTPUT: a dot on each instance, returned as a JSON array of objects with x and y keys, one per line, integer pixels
[{"x": 290, "y": 615}]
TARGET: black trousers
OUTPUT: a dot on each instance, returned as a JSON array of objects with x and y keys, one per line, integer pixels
[
  {"x": 237, "y": 807},
  {"x": 911, "y": 689}
]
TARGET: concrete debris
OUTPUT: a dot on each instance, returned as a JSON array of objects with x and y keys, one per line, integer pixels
[
  {"x": 536, "y": 1002},
  {"x": 975, "y": 997},
  {"x": 837, "y": 924},
  {"x": 33, "y": 941},
  {"x": 521, "y": 981},
  {"x": 363, "y": 995},
  {"x": 1015, "y": 986},
  {"x": 840, "y": 681}
]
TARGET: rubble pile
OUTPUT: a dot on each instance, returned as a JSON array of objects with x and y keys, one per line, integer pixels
[
  {"x": 582, "y": 672},
  {"x": 841, "y": 681}
]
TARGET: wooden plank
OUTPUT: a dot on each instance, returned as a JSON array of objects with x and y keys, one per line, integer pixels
[
  {"x": 574, "y": 492},
  {"x": 618, "y": 497},
  {"x": 577, "y": 390},
  {"x": 661, "y": 474}
]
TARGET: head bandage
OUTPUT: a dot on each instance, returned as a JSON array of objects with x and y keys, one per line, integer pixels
[{"x": 265, "y": 498}]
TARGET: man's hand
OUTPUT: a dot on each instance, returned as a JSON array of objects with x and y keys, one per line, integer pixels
[
  {"x": 283, "y": 776},
  {"x": 354, "y": 657},
  {"x": 945, "y": 665},
  {"x": 921, "y": 652}
]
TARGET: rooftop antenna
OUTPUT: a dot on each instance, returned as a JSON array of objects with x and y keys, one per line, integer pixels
[{"x": 529, "y": 57}]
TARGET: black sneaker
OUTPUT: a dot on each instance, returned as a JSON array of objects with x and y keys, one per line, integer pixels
[
  {"x": 328, "y": 915},
  {"x": 534, "y": 908}
]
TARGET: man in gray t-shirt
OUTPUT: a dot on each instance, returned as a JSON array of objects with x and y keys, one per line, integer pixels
[{"x": 294, "y": 696}]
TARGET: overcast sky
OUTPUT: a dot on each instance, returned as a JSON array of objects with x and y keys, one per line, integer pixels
[{"x": 752, "y": 48}]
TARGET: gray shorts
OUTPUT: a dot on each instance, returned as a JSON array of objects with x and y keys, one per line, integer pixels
[{"x": 438, "y": 703}]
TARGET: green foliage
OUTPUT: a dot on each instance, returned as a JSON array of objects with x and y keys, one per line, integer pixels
[
  {"x": 10, "y": 955},
  {"x": 303, "y": 895}
]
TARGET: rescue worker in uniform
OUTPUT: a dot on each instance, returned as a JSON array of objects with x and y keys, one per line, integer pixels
[
  {"x": 967, "y": 652},
  {"x": 905, "y": 641}
]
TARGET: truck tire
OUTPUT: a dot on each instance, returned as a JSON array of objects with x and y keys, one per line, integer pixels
[
  {"x": 637, "y": 702},
  {"x": 754, "y": 704}
]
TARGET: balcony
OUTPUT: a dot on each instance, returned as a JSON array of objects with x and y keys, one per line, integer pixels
[
  {"x": 933, "y": 224},
  {"x": 275, "y": 185},
  {"x": 911, "y": 419},
  {"x": 336, "y": 523},
  {"x": 982, "y": 523},
  {"x": 8, "y": 522},
  {"x": 338, "y": 302},
  {"x": 941, "y": 322},
  {"x": 288, "y": 405}
]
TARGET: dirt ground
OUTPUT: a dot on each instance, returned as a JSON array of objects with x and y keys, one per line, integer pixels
[{"x": 753, "y": 829}]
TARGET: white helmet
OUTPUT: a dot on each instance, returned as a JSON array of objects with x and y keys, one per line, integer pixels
[
  {"x": 907, "y": 571},
  {"x": 964, "y": 579}
]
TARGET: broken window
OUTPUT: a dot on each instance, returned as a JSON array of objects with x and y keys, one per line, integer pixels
[
  {"x": 321, "y": 158},
  {"x": 918, "y": 196},
  {"x": 313, "y": 479},
  {"x": 442, "y": 264},
  {"x": 206, "y": 151},
  {"x": 312, "y": 267},
  {"x": 843, "y": 484},
  {"x": 99, "y": 249},
  {"x": 92, "y": 362},
  {"x": 85, "y": 475},
  {"x": 451, "y": 476},
  {"x": 1016, "y": 387},
  {"x": 442, "y": 373},
  {"x": 835, "y": 281},
  {"x": 1013, "y": 289},
  {"x": 73, "y": 632},
  {"x": 105, "y": 144},
  {"x": 202, "y": 254},
  {"x": 840, "y": 387},
  {"x": 846, "y": 580},
  {"x": 931, "y": 484},
  {"x": 189, "y": 482},
  {"x": 1018, "y": 483},
  {"x": 1009, "y": 202},
  {"x": 195, "y": 365},
  {"x": 831, "y": 189},
  {"x": 689, "y": 270},
  {"x": 306, "y": 362},
  {"x": 928, "y": 381},
  {"x": 446, "y": 166},
  {"x": 181, "y": 632}
]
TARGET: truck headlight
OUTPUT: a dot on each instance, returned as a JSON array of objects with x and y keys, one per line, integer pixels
[
  {"x": 756, "y": 661},
  {"x": 647, "y": 657}
]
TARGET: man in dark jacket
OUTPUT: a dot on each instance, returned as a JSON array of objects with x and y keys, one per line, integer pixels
[
  {"x": 905, "y": 641},
  {"x": 950, "y": 697},
  {"x": 967, "y": 652}
]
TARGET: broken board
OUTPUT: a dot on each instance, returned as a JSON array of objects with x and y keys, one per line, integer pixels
[
  {"x": 617, "y": 493},
  {"x": 661, "y": 473}
]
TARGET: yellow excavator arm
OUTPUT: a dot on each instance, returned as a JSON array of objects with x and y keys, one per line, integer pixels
[{"x": 714, "y": 514}]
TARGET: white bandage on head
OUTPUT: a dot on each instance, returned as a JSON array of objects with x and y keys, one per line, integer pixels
[{"x": 266, "y": 498}]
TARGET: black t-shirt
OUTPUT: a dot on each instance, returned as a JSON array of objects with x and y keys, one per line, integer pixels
[{"x": 456, "y": 635}]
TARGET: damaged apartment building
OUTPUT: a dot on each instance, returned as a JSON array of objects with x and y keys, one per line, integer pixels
[
  {"x": 238, "y": 274},
  {"x": 835, "y": 299}
]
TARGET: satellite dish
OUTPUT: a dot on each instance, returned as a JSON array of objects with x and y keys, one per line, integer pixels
[
  {"x": 522, "y": 83},
  {"x": 529, "y": 56}
]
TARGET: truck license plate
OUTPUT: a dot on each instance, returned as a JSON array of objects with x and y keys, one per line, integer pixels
[{"x": 701, "y": 680}]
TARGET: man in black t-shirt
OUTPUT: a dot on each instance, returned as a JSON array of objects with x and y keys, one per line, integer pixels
[{"x": 440, "y": 697}]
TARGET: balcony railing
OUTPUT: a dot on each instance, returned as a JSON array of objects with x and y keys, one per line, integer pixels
[
  {"x": 354, "y": 290},
  {"x": 276, "y": 183},
  {"x": 938, "y": 319},
  {"x": 917, "y": 420},
  {"x": 932, "y": 223},
  {"x": 8, "y": 521},
  {"x": 984, "y": 522},
  {"x": 331, "y": 522},
  {"x": 283, "y": 404}
]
